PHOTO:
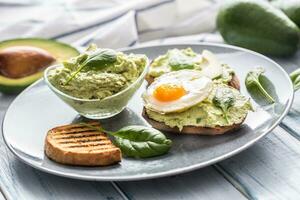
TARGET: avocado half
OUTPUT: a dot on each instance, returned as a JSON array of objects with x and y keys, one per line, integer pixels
[{"x": 60, "y": 51}]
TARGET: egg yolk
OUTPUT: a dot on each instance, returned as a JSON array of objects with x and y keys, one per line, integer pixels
[{"x": 168, "y": 92}]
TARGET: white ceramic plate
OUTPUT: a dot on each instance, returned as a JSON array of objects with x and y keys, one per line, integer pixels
[{"x": 37, "y": 109}]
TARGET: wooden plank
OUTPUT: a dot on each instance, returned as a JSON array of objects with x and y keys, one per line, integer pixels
[
  {"x": 291, "y": 123},
  {"x": 19, "y": 181},
  {"x": 268, "y": 170},
  {"x": 205, "y": 183},
  {"x": 1, "y": 196},
  {"x": 292, "y": 120}
]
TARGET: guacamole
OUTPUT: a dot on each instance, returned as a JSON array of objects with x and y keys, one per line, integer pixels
[
  {"x": 97, "y": 80},
  {"x": 177, "y": 59},
  {"x": 206, "y": 113}
]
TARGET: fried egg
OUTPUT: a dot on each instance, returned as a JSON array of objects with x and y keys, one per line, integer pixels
[{"x": 177, "y": 91}]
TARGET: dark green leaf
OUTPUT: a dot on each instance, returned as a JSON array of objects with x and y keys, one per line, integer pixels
[
  {"x": 198, "y": 120},
  {"x": 99, "y": 59},
  {"x": 295, "y": 77},
  {"x": 141, "y": 141},
  {"x": 224, "y": 99},
  {"x": 259, "y": 86}
]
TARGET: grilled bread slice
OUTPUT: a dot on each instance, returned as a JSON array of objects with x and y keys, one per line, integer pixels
[
  {"x": 235, "y": 83},
  {"x": 78, "y": 144},
  {"x": 196, "y": 130}
]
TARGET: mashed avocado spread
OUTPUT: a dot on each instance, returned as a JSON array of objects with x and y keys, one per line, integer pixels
[
  {"x": 177, "y": 59},
  {"x": 97, "y": 80},
  {"x": 206, "y": 113}
]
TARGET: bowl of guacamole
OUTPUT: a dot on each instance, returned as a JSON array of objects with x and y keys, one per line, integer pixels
[{"x": 99, "y": 82}]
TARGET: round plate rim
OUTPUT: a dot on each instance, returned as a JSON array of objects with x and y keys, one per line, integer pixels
[{"x": 171, "y": 172}]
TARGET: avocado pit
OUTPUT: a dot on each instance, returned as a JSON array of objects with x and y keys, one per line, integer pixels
[{"x": 21, "y": 61}]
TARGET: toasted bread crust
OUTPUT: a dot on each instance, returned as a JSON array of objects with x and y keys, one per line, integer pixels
[
  {"x": 196, "y": 130},
  {"x": 235, "y": 83},
  {"x": 78, "y": 145}
]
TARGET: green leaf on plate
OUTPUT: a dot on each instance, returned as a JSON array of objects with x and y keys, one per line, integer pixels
[
  {"x": 295, "y": 77},
  {"x": 260, "y": 87},
  {"x": 141, "y": 141},
  {"x": 138, "y": 141}
]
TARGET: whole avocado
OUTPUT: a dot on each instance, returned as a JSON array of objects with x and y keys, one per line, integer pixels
[
  {"x": 258, "y": 26},
  {"x": 291, "y": 8}
]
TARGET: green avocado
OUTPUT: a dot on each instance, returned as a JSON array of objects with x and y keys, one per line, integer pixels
[
  {"x": 258, "y": 26},
  {"x": 60, "y": 51},
  {"x": 291, "y": 8}
]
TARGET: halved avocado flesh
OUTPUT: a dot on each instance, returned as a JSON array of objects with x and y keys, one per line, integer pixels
[
  {"x": 12, "y": 86},
  {"x": 60, "y": 51}
]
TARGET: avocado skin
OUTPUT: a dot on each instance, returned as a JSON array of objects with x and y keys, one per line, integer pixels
[
  {"x": 59, "y": 50},
  {"x": 258, "y": 26},
  {"x": 13, "y": 89},
  {"x": 291, "y": 8}
]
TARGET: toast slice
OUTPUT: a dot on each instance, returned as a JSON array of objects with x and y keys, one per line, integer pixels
[
  {"x": 196, "y": 130},
  {"x": 235, "y": 83},
  {"x": 77, "y": 144}
]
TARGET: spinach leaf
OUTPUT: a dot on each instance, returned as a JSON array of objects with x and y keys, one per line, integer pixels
[
  {"x": 101, "y": 58},
  {"x": 139, "y": 141},
  {"x": 295, "y": 77},
  {"x": 255, "y": 84},
  {"x": 224, "y": 99}
]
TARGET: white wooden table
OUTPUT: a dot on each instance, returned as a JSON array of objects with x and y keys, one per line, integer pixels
[{"x": 270, "y": 169}]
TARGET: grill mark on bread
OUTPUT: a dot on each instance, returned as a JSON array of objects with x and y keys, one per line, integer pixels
[
  {"x": 103, "y": 142},
  {"x": 64, "y": 137},
  {"x": 105, "y": 146},
  {"x": 92, "y": 148},
  {"x": 103, "y": 149},
  {"x": 76, "y": 131},
  {"x": 83, "y": 140}
]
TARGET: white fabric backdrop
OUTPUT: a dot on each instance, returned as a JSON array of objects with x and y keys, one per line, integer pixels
[{"x": 110, "y": 23}]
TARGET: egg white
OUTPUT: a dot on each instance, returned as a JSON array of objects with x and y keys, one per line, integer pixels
[{"x": 196, "y": 85}]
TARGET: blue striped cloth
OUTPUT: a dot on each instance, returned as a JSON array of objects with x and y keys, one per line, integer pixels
[{"x": 110, "y": 23}]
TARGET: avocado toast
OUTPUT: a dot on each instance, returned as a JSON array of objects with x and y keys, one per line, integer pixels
[
  {"x": 188, "y": 102},
  {"x": 207, "y": 63}
]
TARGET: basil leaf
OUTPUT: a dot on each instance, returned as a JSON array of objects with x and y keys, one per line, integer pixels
[
  {"x": 101, "y": 58},
  {"x": 295, "y": 77},
  {"x": 258, "y": 85},
  {"x": 224, "y": 99},
  {"x": 141, "y": 141}
]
